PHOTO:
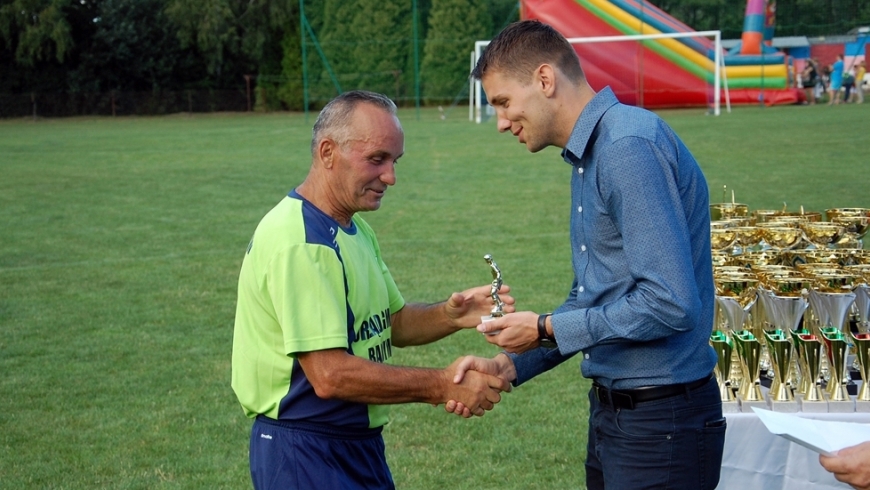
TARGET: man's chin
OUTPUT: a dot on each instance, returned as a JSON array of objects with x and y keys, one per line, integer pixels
[
  {"x": 372, "y": 206},
  {"x": 534, "y": 148}
]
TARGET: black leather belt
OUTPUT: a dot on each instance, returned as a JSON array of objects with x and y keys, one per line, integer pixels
[{"x": 629, "y": 398}]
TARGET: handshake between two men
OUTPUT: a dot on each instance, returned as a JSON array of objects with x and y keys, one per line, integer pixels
[{"x": 515, "y": 333}]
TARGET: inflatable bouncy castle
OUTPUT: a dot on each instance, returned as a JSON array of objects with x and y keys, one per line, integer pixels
[{"x": 671, "y": 72}]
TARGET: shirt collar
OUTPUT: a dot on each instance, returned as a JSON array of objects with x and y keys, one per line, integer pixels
[{"x": 589, "y": 117}]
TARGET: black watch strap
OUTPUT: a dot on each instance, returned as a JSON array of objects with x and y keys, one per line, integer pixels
[{"x": 542, "y": 328}]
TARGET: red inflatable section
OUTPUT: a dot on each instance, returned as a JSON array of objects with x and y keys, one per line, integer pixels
[{"x": 636, "y": 74}]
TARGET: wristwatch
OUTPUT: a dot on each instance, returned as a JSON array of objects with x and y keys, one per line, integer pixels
[{"x": 546, "y": 340}]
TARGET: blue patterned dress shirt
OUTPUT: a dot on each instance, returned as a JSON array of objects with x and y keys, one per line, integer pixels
[{"x": 641, "y": 305}]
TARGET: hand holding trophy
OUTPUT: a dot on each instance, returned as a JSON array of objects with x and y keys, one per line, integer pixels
[{"x": 517, "y": 332}]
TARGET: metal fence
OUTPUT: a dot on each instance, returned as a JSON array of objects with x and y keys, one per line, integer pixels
[{"x": 117, "y": 103}]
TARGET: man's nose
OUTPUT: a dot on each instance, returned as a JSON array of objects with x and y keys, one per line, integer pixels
[
  {"x": 389, "y": 174},
  {"x": 503, "y": 124}
]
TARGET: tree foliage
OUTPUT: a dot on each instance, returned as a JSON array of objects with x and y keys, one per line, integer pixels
[
  {"x": 454, "y": 26},
  {"x": 234, "y": 36},
  {"x": 133, "y": 47},
  {"x": 36, "y": 30}
]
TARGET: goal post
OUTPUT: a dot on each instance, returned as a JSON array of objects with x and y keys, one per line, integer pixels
[{"x": 720, "y": 80}]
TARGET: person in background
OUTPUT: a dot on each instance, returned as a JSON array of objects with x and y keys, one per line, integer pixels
[
  {"x": 318, "y": 315},
  {"x": 824, "y": 80},
  {"x": 848, "y": 84},
  {"x": 860, "y": 72},
  {"x": 836, "y": 76},
  {"x": 809, "y": 79},
  {"x": 640, "y": 308},
  {"x": 850, "y": 465}
]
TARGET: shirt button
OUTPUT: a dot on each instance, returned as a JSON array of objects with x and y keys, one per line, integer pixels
[
  {"x": 582, "y": 248},
  {"x": 580, "y": 170},
  {"x": 579, "y": 209},
  {"x": 586, "y": 356},
  {"x": 580, "y": 289}
]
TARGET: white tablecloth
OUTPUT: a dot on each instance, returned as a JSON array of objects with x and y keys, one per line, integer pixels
[{"x": 755, "y": 459}]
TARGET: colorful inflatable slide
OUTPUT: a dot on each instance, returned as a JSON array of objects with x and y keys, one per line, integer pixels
[{"x": 674, "y": 72}]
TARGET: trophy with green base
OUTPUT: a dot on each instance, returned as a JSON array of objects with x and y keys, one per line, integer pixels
[
  {"x": 862, "y": 352},
  {"x": 780, "y": 349},
  {"x": 810, "y": 395},
  {"x": 724, "y": 348},
  {"x": 749, "y": 353},
  {"x": 839, "y": 400}
]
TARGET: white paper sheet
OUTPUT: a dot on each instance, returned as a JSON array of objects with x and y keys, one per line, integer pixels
[{"x": 821, "y": 436}]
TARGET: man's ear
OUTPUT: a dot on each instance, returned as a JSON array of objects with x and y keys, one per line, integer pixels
[
  {"x": 326, "y": 152},
  {"x": 545, "y": 79}
]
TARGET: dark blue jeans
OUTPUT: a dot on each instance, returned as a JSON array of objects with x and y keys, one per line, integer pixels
[{"x": 671, "y": 443}]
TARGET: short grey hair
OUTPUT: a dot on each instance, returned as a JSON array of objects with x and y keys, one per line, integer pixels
[{"x": 334, "y": 119}]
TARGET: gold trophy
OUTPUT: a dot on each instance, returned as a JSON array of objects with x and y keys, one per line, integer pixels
[
  {"x": 735, "y": 296},
  {"x": 810, "y": 354},
  {"x": 761, "y": 258},
  {"x": 724, "y": 348},
  {"x": 728, "y": 210},
  {"x": 862, "y": 352},
  {"x": 839, "y": 400},
  {"x": 749, "y": 352},
  {"x": 722, "y": 238},
  {"x": 862, "y": 307},
  {"x": 823, "y": 234},
  {"x": 855, "y": 220},
  {"x": 780, "y": 350},
  {"x": 862, "y": 295},
  {"x": 783, "y": 300},
  {"x": 781, "y": 236},
  {"x": 831, "y": 301},
  {"x": 773, "y": 215},
  {"x": 784, "y": 307},
  {"x": 748, "y": 238}
]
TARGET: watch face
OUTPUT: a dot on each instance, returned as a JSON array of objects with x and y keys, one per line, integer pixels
[{"x": 547, "y": 344}]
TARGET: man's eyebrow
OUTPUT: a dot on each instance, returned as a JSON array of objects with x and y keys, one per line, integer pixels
[{"x": 385, "y": 153}]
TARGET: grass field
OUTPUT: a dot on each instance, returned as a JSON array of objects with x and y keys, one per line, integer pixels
[{"x": 121, "y": 241}]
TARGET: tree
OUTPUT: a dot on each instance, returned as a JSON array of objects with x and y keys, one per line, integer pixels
[
  {"x": 234, "y": 36},
  {"x": 291, "y": 89},
  {"x": 133, "y": 47},
  {"x": 37, "y": 30},
  {"x": 454, "y": 26},
  {"x": 383, "y": 54}
]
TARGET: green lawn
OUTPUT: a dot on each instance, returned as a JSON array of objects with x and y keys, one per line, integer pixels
[{"x": 121, "y": 241}]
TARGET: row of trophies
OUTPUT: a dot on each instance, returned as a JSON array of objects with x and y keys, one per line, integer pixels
[{"x": 792, "y": 307}]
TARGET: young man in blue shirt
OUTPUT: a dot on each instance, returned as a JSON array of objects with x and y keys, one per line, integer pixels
[{"x": 640, "y": 308}]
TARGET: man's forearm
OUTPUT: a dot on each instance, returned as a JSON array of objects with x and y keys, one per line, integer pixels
[
  {"x": 337, "y": 374},
  {"x": 418, "y": 324}
]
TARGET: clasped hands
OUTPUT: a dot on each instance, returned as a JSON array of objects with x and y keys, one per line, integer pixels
[{"x": 484, "y": 379}]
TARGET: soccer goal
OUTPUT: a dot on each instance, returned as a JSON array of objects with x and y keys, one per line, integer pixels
[{"x": 687, "y": 61}]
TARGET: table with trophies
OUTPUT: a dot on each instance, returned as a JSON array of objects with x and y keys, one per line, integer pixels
[{"x": 790, "y": 333}]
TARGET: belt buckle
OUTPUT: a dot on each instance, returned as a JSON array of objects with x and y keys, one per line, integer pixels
[
  {"x": 622, "y": 400},
  {"x": 601, "y": 394},
  {"x": 614, "y": 398}
]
